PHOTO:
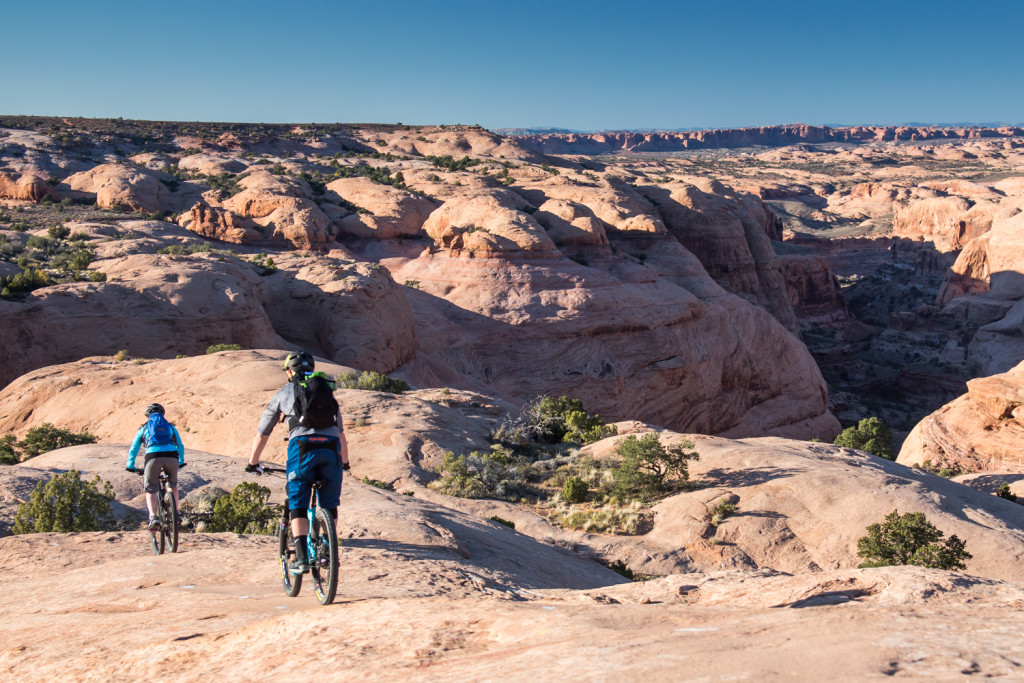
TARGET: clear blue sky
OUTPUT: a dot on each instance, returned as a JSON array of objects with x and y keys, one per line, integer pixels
[{"x": 575, "y": 64}]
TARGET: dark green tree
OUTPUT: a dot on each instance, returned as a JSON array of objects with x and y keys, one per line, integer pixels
[
  {"x": 8, "y": 456},
  {"x": 244, "y": 511},
  {"x": 46, "y": 438},
  {"x": 647, "y": 466},
  {"x": 870, "y": 435},
  {"x": 910, "y": 539},
  {"x": 64, "y": 504}
]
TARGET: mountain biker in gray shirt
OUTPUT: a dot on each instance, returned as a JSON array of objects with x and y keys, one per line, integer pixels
[{"x": 313, "y": 454}]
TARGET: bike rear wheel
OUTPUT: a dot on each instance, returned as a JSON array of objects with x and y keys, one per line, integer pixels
[
  {"x": 286, "y": 547},
  {"x": 170, "y": 526},
  {"x": 157, "y": 536},
  {"x": 324, "y": 563}
]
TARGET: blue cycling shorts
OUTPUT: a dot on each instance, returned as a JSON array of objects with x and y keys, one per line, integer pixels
[{"x": 312, "y": 458}]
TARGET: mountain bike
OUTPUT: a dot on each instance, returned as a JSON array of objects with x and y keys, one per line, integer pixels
[
  {"x": 321, "y": 547},
  {"x": 167, "y": 512}
]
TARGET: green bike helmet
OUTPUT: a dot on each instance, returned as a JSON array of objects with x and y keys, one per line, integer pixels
[{"x": 299, "y": 361}]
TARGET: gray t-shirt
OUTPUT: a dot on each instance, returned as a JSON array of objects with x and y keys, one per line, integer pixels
[{"x": 283, "y": 403}]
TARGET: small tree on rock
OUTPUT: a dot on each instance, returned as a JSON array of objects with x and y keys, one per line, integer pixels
[
  {"x": 647, "y": 466},
  {"x": 870, "y": 435},
  {"x": 910, "y": 539}
]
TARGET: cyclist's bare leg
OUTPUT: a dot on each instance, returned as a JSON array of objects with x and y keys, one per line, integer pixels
[
  {"x": 174, "y": 492},
  {"x": 300, "y": 527},
  {"x": 152, "y": 502}
]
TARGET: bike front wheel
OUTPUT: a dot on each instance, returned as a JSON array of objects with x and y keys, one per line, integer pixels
[
  {"x": 286, "y": 543},
  {"x": 324, "y": 563}
]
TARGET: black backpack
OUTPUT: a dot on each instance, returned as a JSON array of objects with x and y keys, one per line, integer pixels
[{"x": 315, "y": 403}]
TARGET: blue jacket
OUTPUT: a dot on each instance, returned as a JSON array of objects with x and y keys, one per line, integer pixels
[{"x": 156, "y": 451}]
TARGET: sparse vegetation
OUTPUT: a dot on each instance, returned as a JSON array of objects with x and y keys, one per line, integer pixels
[
  {"x": 449, "y": 163},
  {"x": 721, "y": 511},
  {"x": 505, "y": 522},
  {"x": 377, "y": 483},
  {"x": 216, "y": 348},
  {"x": 371, "y": 380},
  {"x": 575, "y": 490},
  {"x": 552, "y": 420},
  {"x": 245, "y": 511},
  {"x": 910, "y": 539},
  {"x": 65, "y": 504},
  {"x": 1005, "y": 492}
]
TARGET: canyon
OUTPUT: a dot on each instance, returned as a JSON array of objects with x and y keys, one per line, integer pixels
[{"x": 750, "y": 292}]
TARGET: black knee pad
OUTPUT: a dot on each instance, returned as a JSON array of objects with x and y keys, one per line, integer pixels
[
  {"x": 334, "y": 513},
  {"x": 297, "y": 514}
]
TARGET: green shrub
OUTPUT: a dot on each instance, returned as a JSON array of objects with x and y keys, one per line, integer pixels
[
  {"x": 58, "y": 232},
  {"x": 497, "y": 474},
  {"x": 46, "y": 437},
  {"x": 619, "y": 567},
  {"x": 223, "y": 347},
  {"x": 245, "y": 511},
  {"x": 910, "y": 539},
  {"x": 552, "y": 420},
  {"x": 575, "y": 490},
  {"x": 647, "y": 466},
  {"x": 870, "y": 435},
  {"x": 371, "y": 380},
  {"x": 65, "y": 504},
  {"x": 721, "y": 511},
  {"x": 377, "y": 483},
  {"x": 499, "y": 520},
  {"x": 1005, "y": 492}
]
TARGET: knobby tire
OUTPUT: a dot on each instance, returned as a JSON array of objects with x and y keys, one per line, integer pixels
[
  {"x": 324, "y": 564},
  {"x": 171, "y": 526},
  {"x": 286, "y": 547}
]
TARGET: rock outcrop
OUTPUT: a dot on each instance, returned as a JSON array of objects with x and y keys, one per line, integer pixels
[{"x": 982, "y": 431}]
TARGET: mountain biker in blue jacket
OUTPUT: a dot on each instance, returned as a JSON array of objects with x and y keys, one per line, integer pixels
[
  {"x": 164, "y": 452},
  {"x": 313, "y": 454}
]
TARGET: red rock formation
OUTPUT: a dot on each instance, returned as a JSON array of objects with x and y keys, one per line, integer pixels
[
  {"x": 221, "y": 224},
  {"x": 24, "y": 187},
  {"x": 982, "y": 431}
]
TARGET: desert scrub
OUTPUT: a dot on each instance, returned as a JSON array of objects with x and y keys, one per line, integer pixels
[
  {"x": 65, "y": 504},
  {"x": 495, "y": 474},
  {"x": 721, "y": 511},
  {"x": 245, "y": 511},
  {"x": 550, "y": 420},
  {"x": 604, "y": 520},
  {"x": 371, "y": 380},
  {"x": 910, "y": 539},
  {"x": 216, "y": 348},
  {"x": 378, "y": 484},
  {"x": 1003, "y": 492},
  {"x": 505, "y": 522}
]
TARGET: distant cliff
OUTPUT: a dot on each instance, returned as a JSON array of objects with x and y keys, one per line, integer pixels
[{"x": 772, "y": 136}]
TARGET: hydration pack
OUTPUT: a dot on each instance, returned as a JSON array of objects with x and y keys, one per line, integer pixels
[
  {"x": 314, "y": 401},
  {"x": 159, "y": 432}
]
